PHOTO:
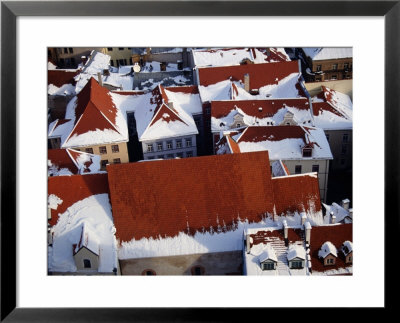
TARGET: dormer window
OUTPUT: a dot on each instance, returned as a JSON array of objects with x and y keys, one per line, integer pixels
[{"x": 307, "y": 152}]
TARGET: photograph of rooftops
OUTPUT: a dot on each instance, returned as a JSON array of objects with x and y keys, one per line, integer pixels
[{"x": 200, "y": 161}]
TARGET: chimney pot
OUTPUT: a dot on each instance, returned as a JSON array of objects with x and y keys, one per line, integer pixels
[
  {"x": 307, "y": 227},
  {"x": 99, "y": 77},
  {"x": 246, "y": 79},
  {"x": 345, "y": 204}
]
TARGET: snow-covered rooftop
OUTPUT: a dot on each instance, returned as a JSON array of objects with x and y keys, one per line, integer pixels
[
  {"x": 347, "y": 247},
  {"x": 338, "y": 211},
  {"x": 279, "y": 169},
  {"x": 235, "y": 56},
  {"x": 326, "y": 249},
  {"x": 296, "y": 251},
  {"x": 322, "y": 53}
]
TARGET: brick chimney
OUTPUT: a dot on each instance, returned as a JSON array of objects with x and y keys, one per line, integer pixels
[{"x": 246, "y": 80}]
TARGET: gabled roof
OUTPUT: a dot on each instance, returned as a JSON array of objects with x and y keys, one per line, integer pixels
[
  {"x": 71, "y": 189},
  {"x": 284, "y": 142},
  {"x": 337, "y": 234},
  {"x": 327, "y": 249},
  {"x": 88, "y": 240},
  {"x": 268, "y": 254},
  {"x": 259, "y": 74},
  {"x": 296, "y": 251},
  {"x": 59, "y": 158},
  {"x": 61, "y": 77}
]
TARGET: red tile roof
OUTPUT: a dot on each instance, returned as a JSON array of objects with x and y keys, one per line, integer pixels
[
  {"x": 320, "y": 107},
  {"x": 296, "y": 193},
  {"x": 61, "y": 77},
  {"x": 275, "y": 133},
  {"x": 94, "y": 110},
  {"x": 337, "y": 234},
  {"x": 190, "y": 89},
  {"x": 265, "y": 236},
  {"x": 165, "y": 113},
  {"x": 61, "y": 159},
  {"x": 259, "y": 74},
  {"x": 269, "y": 108},
  {"x": 72, "y": 189},
  {"x": 163, "y": 198}
]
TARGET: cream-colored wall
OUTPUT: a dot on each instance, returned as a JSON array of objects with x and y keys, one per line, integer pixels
[
  {"x": 306, "y": 167},
  {"x": 117, "y": 54},
  {"x": 110, "y": 156},
  {"x": 329, "y": 257},
  {"x": 343, "y": 86},
  {"x": 82, "y": 254}
]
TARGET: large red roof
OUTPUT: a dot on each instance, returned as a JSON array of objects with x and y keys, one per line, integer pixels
[
  {"x": 259, "y": 74},
  {"x": 269, "y": 108},
  {"x": 61, "y": 77},
  {"x": 163, "y": 198},
  {"x": 72, "y": 189},
  {"x": 276, "y": 133},
  {"x": 337, "y": 234},
  {"x": 94, "y": 110},
  {"x": 296, "y": 193},
  {"x": 189, "y": 89}
]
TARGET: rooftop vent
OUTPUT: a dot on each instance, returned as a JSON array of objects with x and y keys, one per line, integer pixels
[{"x": 260, "y": 109}]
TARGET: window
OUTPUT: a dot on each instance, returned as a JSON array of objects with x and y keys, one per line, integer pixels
[
  {"x": 170, "y": 156},
  {"x": 180, "y": 155},
  {"x": 115, "y": 148},
  {"x": 344, "y": 150},
  {"x": 334, "y": 67},
  {"x": 189, "y": 154},
  {"x": 327, "y": 137},
  {"x": 319, "y": 67},
  {"x": 346, "y": 66},
  {"x": 297, "y": 169},
  {"x": 268, "y": 266},
  {"x": 159, "y": 146},
  {"x": 198, "y": 270},
  {"x": 238, "y": 125},
  {"x": 104, "y": 163},
  {"x": 109, "y": 49},
  {"x": 148, "y": 272},
  {"x": 149, "y": 147},
  {"x": 317, "y": 79},
  {"x": 188, "y": 142},
  {"x": 307, "y": 152},
  {"x": 120, "y": 48},
  {"x": 103, "y": 150},
  {"x": 330, "y": 261},
  {"x": 315, "y": 168},
  {"x": 70, "y": 50},
  {"x": 297, "y": 264},
  {"x": 350, "y": 259},
  {"x": 65, "y": 50},
  {"x": 169, "y": 144},
  {"x": 334, "y": 77},
  {"x": 89, "y": 150},
  {"x": 117, "y": 161},
  {"x": 178, "y": 144},
  {"x": 345, "y": 137},
  {"x": 86, "y": 263},
  {"x": 112, "y": 62}
]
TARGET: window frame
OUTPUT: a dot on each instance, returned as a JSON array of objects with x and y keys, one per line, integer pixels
[
  {"x": 296, "y": 167},
  {"x": 114, "y": 150},
  {"x": 150, "y": 148},
  {"x": 315, "y": 166},
  {"x": 89, "y": 150},
  {"x": 85, "y": 262},
  {"x": 188, "y": 142},
  {"x": 103, "y": 150}
]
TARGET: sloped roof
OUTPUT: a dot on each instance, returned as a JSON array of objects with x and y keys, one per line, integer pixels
[
  {"x": 296, "y": 251},
  {"x": 337, "y": 234},
  {"x": 89, "y": 240},
  {"x": 61, "y": 77},
  {"x": 61, "y": 159},
  {"x": 296, "y": 193},
  {"x": 322, "y": 53},
  {"x": 71, "y": 189},
  {"x": 284, "y": 142},
  {"x": 326, "y": 249},
  {"x": 259, "y": 74},
  {"x": 186, "y": 195}
]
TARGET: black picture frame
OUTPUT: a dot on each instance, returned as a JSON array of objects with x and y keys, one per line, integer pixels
[{"x": 10, "y": 10}]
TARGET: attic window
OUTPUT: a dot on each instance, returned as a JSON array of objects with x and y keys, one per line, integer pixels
[
  {"x": 267, "y": 266},
  {"x": 297, "y": 264},
  {"x": 86, "y": 263},
  {"x": 254, "y": 92},
  {"x": 198, "y": 270},
  {"x": 148, "y": 272},
  {"x": 307, "y": 152}
]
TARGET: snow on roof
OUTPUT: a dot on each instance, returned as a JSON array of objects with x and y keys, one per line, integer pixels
[
  {"x": 94, "y": 118},
  {"x": 347, "y": 247},
  {"x": 336, "y": 234},
  {"x": 322, "y": 53},
  {"x": 71, "y": 189},
  {"x": 53, "y": 201},
  {"x": 285, "y": 142},
  {"x": 335, "y": 209},
  {"x": 258, "y": 112},
  {"x": 267, "y": 253},
  {"x": 97, "y": 62},
  {"x": 259, "y": 74},
  {"x": 326, "y": 249},
  {"x": 234, "y": 56},
  {"x": 187, "y": 97},
  {"x": 118, "y": 80},
  {"x": 332, "y": 110},
  {"x": 94, "y": 214},
  {"x": 279, "y": 169},
  {"x": 296, "y": 251},
  {"x": 75, "y": 162}
]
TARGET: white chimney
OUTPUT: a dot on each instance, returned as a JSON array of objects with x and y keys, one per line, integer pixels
[
  {"x": 246, "y": 80},
  {"x": 303, "y": 218},
  {"x": 333, "y": 219},
  {"x": 345, "y": 204},
  {"x": 285, "y": 229},
  {"x": 248, "y": 238},
  {"x": 351, "y": 213},
  {"x": 307, "y": 227},
  {"x": 99, "y": 77}
]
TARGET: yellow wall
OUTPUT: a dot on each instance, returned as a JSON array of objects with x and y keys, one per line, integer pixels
[
  {"x": 343, "y": 86},
  {"x": 116, "y": 54}
]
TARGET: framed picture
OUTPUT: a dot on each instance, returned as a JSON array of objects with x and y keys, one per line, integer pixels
[{"x": 171, "y": 23}]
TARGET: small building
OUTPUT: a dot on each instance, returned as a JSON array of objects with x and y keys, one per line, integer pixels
[
  {"x": 347, "y": 251},
  {"x": 296, "y": 256},
  {"x": 86, "y": 252},
  {"x": 328, "y": 253},
  {"x": 268, "y": 259}
]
